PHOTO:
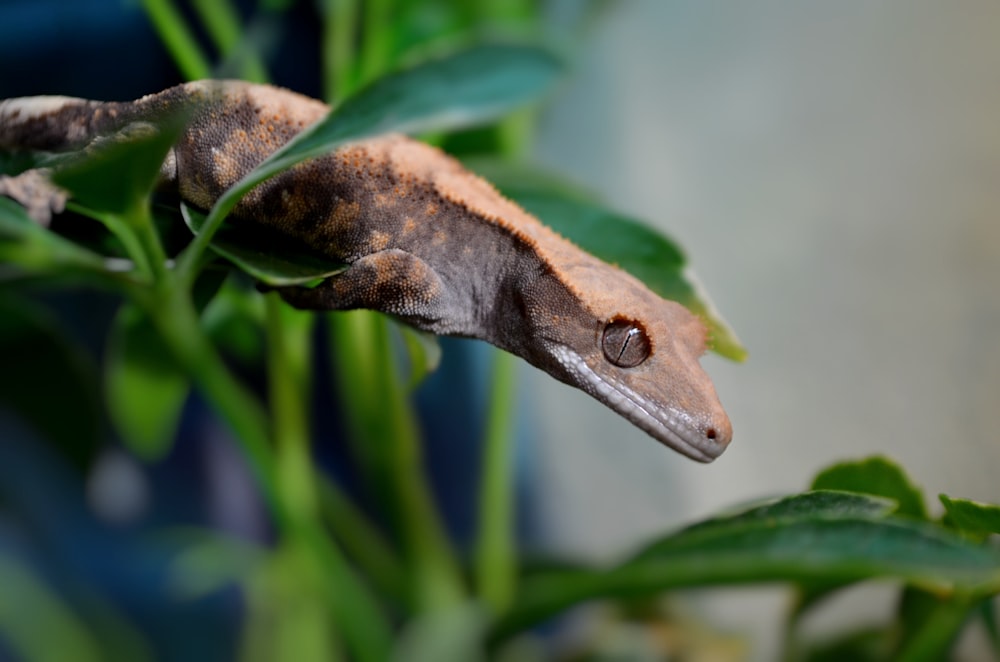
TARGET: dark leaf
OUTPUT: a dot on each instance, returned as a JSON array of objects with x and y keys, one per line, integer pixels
[
  {"x": 48, "y": 382},
  {"x": 972, "y": 517},
  {"x": 118, "y": 173},
  {"x": 31, "y": 247},
  {"x": 146, "y": 388},
  {"x": 277, "y": 264},
  {"x": 470, "y": 87},
  {"x": 811, "y": 537},
  {"x": 878, "y": 476}
]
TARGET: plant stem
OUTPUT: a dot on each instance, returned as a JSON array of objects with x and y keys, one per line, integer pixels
[
  {"x": 383, "y": 430},
  {"x": 123, "y": 232},
  {"x": 222, "y": 22},
  {"x": 376, "y": 40},
  {"x": 145, "y": 234},
  {"x": 174, "y": 315},
  {"x": 940, "y": 627},
  {"x": 495, "y": 548},
  {"x": 338, "y": 53},
  {"x": 288, "y": 360},
  {"x": 183, "y": 47},
  {"x": 365, "y": 544}
]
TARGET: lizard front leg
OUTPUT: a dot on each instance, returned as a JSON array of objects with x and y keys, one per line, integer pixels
[
  {"x": 390, "y": 281},
  {"x": 33, "y": 190}
]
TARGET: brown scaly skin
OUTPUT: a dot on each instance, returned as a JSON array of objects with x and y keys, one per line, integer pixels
[{"x": 427, "y": 242}]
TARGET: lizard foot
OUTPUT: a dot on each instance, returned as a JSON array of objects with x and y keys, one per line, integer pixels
[{"x": 33, "y": 190}]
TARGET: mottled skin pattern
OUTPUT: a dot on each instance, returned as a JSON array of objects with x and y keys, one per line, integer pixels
[{"x": 427, "y": 242}]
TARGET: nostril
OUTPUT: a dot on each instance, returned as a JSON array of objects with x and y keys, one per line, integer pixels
[{"x": 711, "y": 433}]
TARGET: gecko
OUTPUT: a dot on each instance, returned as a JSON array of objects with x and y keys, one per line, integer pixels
[{"x": 425, "y": 241}]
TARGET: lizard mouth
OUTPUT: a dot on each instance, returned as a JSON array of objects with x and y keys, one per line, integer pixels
[{"x": 669, "y": 426}]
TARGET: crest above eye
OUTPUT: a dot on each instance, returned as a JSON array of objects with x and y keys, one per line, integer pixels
[{"x": 625, "y": 343}]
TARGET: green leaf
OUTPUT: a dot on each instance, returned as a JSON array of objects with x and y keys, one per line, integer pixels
[
  {"x": 878, "y": 476},
  {"x": 972, "y": 517},
  {"x": 34, "y": 248},
  {"x": 234, "y": 319},
  {"x": 814, "y": 506},
  {"x": 146, "y": 388},
  {"x": 272, "y": 262},
  {"x": 809, "y": 537},
  {"x": 473, "y": 86},
  {"x": 14, "y": 163},
  {"x": 615, "y": 238},
  {"x": 206, "y": 562},
  {"x": 48, "y": 382},
  {"x": 37, "y": 624},
  {"x": 118, "y": 173},
  {"x": 14, "y": 220}
]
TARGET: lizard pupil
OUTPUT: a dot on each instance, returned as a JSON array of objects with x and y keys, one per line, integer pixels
[{"x": 625, "y": 343}]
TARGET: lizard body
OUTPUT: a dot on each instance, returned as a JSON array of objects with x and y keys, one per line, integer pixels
[{"x": 425, "y": 240}]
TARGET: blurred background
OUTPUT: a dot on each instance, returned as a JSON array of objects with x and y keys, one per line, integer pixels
[
  {"x": 833, "y": 173},
  {"x": 832, "y": 170}
]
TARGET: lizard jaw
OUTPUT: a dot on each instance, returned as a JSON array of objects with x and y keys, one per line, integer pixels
[{"x": 668, "y": 426}]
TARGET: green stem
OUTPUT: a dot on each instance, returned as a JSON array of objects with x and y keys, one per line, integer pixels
[
  {"x": 495, "y": 548},
  {"x": 175, "y": 317},
  {"x": 222, "y": 23},
  {"x": 383, "y": 430},
  {"x": 123, "y": 232},
  {"x": 183, "y": 47},
  {"x": 356, "y": 610},
  {"x": 146, "y": 236},
  {"x": 288, "y": 360},
  {"x": 191, "y": 258},
  {"x": 932, "y": 639},
  {"x": 365, "y": 544},
  {"x": 375, "y": 41},
  {"x": 339, "y": 20},
  {"x": 344, "y": 595}
]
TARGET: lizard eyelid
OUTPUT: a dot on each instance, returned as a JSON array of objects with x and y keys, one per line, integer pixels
[{"x": 625, "y": 343}]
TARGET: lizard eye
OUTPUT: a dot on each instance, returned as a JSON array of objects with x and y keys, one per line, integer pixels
[{"x": 625, "y": 343}]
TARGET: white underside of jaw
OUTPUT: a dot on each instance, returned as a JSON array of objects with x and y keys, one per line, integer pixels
[{"x": 664, "y": 425}]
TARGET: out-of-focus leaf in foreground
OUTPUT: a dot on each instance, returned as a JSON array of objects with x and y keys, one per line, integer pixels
[{"x": 815, "y": 536}]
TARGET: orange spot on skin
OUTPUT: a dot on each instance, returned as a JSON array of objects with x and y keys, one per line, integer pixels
[
  {"x": 345, "y": 214},
  {"x": 379, "y": 241}
]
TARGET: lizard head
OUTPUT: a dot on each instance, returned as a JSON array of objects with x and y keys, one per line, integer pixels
[{"x": 638, "y": 354}]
